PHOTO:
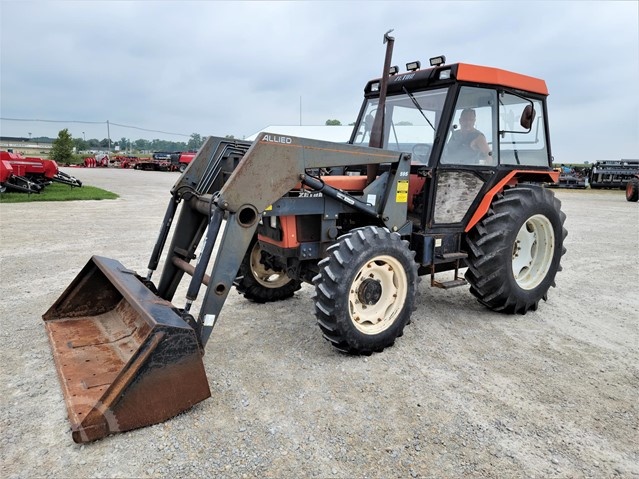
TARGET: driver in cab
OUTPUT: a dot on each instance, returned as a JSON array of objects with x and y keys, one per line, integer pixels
[{"x": 468, "y": 146}]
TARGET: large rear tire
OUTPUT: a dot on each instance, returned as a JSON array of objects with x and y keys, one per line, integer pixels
[
  {"x": 632, "y": 189},
  {"x": 514, "y": 253},
  {"x": 365, "y": 290},
  {"x": 260, "y": 283}
]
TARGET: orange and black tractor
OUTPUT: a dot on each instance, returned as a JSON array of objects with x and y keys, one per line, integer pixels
[{"x": 444, "y": 172}]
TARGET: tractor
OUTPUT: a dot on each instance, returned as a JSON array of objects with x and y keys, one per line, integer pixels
[{"x": 444, "y": 172}]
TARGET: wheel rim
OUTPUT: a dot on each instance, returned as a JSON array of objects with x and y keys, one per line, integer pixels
[
  {"x": 377, "y": 294},
  {"x": 267, "y": 277},
  {"x": 533, "y": 251}
]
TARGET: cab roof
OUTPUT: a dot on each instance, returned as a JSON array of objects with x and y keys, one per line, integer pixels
[
  {"x": 462, "y": 72},
  {"x": 496, "y": 76}
]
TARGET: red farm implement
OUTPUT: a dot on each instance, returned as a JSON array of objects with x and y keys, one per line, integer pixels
[
  {"x": 31, "y": 174},
  {"x": 9, "y": 181}
]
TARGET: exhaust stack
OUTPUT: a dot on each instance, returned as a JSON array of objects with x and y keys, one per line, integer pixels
[{"x": 377, "y": 131}]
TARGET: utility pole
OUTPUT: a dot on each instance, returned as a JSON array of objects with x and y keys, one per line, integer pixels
[
  {"x": 109, "y": 136},
  {"x": 300, "y": 110}
]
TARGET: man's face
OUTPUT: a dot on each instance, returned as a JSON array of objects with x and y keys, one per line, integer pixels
[{"x": 467, "y": 121}]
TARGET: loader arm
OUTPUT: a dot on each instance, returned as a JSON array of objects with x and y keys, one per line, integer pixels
[
  {"x": 126, "y": 355},
  {"x": 286, "y": 160},
  {"x": 248, "y": 193}
]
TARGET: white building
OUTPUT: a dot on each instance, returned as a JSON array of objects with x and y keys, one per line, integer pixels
[{"x": 336, "y": 134}]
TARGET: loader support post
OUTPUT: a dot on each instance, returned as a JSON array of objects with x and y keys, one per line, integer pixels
[{"x": 235, "y": 242}]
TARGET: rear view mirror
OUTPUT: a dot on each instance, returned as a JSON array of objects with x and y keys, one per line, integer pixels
[
  {"x": 510, "y": 106},
  {"x": 527, "y": 117}
]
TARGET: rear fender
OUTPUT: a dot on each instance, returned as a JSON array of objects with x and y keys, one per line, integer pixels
[{"x": 511, "y": 179}]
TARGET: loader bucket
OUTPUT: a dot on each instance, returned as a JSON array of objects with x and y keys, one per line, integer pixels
[{"x": 125, "y": 359}]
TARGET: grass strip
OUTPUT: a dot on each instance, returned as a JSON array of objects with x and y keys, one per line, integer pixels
[{"x": 59, "y": 192}]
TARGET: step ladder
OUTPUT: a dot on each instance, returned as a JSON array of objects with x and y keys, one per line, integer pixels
[{"x": 458, "y": 280}]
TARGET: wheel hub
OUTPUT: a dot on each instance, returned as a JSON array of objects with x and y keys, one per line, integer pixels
[
  {"x": 369, "y": 292},
  {"x": 377, "y": 294},
  {"x": 533, "y": 252}
]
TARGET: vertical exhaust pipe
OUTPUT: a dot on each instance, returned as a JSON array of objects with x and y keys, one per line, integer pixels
[{"x": 377, "y": 132}]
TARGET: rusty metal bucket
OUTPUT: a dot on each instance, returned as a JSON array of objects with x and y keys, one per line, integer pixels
[{"x": 125, "y": 359}]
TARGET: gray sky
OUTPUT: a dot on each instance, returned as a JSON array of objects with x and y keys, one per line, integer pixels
[{"x": 218, "y": 68}]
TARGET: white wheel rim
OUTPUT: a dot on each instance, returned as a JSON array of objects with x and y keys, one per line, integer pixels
[
  {"x": 391, "y": 277},
  {"x": 265, "y": 276},
  {"x": 533, "y": 251}
]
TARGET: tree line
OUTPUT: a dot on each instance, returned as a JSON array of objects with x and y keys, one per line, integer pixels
[
  {"x": 128, "y": 144},
  {"x": 64, "y": 146}
]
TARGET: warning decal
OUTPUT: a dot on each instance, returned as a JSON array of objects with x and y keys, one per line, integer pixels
[{"x": 402, "y": 191}]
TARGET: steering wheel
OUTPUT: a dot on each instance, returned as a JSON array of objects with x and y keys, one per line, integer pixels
[{"x": 421, "y": 152}]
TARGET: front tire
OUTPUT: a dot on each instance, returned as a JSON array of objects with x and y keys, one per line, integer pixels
[
  {"x": 632, "y": 189},
  {"x": 514, "y": 253},
  {"x": 365, "y": 290},
  {"x": 261, "y": 284}
]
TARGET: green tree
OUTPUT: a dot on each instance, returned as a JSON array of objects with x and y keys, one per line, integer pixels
[
  {"x": 124, "y": 144},
  {"x": 62, "y": 151},
  {"x": 333, "y": 123},
  {"x": 195, "y": 142},
  {"x": 141, "y": 145},
  {"x": 80, "y": 144}
]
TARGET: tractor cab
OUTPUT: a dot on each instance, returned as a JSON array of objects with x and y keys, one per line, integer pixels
[
  {"x": 423, "y": 114},
  {"x": 465, "y": 126}
]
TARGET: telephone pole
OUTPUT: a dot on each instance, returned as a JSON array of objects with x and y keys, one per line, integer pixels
[{"x": 109, "y": 135}]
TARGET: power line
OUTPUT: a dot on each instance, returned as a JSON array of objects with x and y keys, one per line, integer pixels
[
  {"x": 152, "y": 131},
  {"x": 95, "y": 123},
  {"x": 55, "y": 121}
]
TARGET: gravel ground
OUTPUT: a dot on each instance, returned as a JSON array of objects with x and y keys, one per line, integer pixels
[{"x": 464, "y": 393}]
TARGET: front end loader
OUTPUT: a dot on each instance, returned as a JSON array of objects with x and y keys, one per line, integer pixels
[{"x": 406, "y": 197}]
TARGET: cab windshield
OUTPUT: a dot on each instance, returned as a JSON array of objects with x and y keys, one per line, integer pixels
[{"x": 410, "y": 123}]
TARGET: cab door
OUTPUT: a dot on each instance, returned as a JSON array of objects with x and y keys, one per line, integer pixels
[{"x": 468, "y": 158}]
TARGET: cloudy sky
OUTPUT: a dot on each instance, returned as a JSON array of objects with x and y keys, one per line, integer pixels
[{"x": 218, "y": 68}]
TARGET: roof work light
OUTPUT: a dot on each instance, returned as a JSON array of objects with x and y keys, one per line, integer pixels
[{"x": 436, "y": 61}]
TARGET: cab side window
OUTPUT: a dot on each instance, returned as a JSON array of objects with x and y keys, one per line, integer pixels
[
  {"x": 522, "y": 133},
  {"x": 470, "y": 137}
]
